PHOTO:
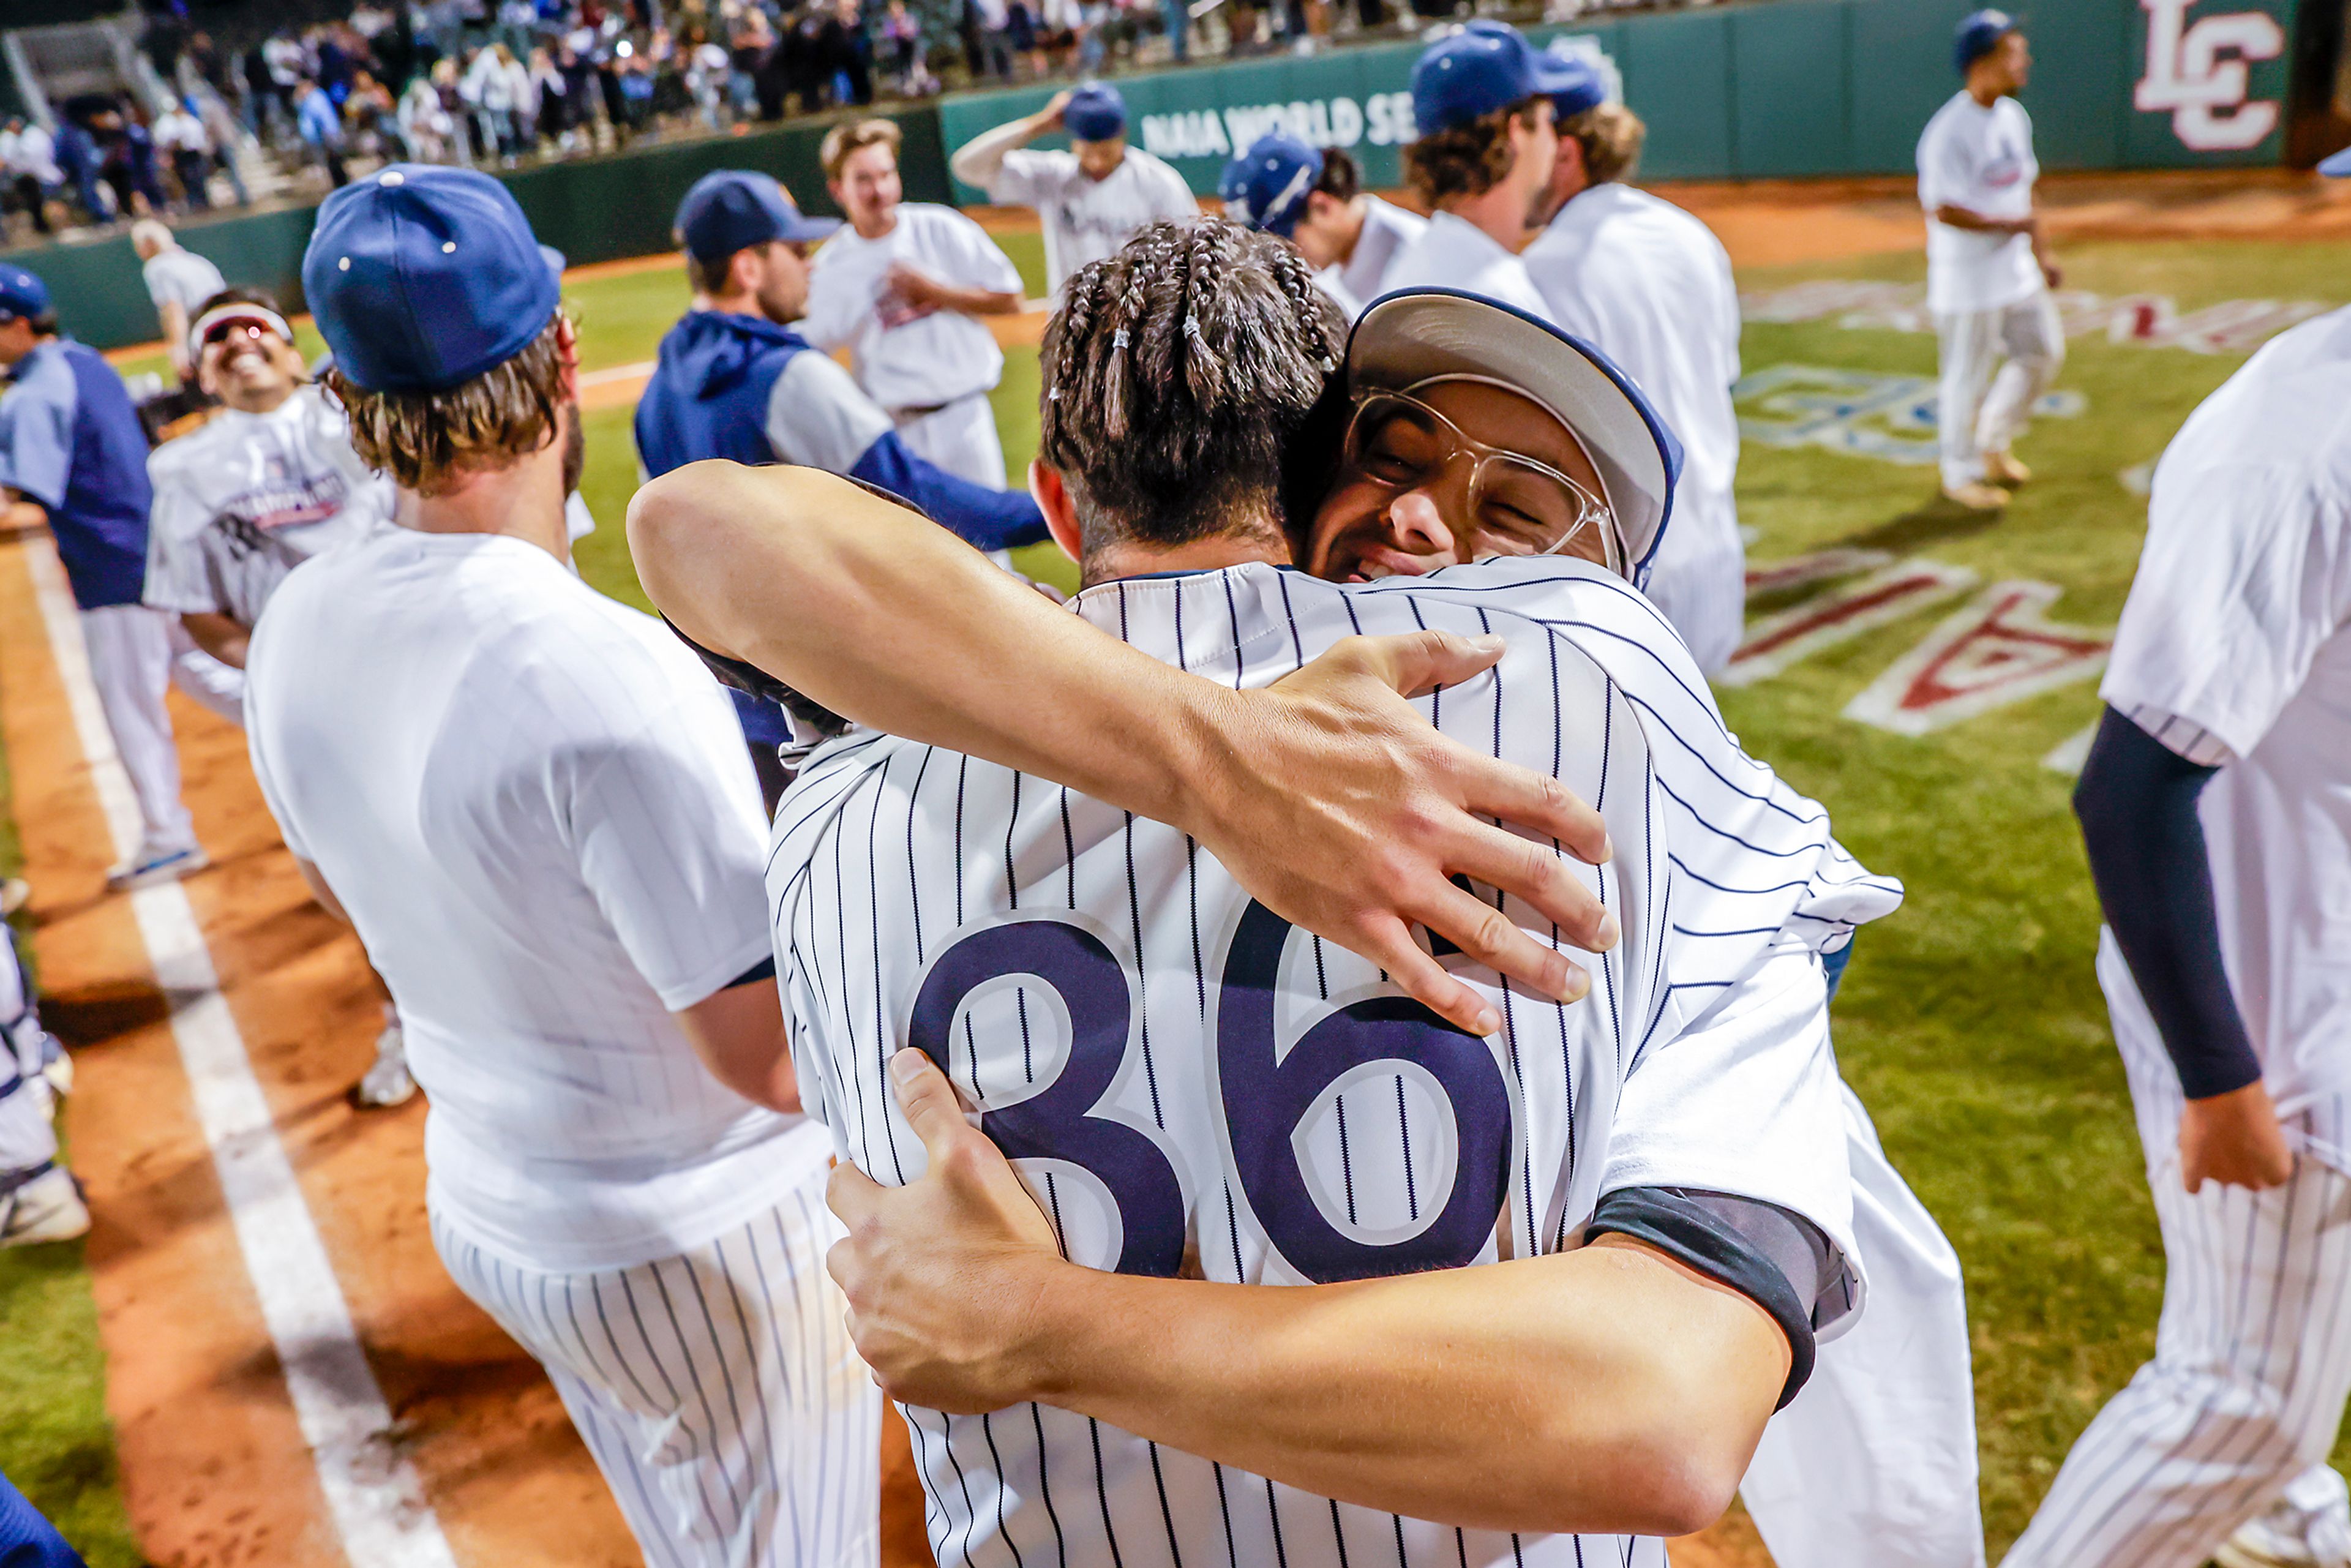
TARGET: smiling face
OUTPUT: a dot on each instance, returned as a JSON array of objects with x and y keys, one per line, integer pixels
[
  {"x": 248, "y": 366},
  {"x": 1410, "y": 498}
]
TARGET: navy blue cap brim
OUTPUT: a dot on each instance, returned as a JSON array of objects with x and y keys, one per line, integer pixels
[
  {"x": 1409, "y": 336},
  {"x": 806, "y": 230},
  {"x": 2337, "y": 167}
]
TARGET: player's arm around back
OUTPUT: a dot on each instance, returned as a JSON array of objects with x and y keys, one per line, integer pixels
[
  {"x": 1608, "y": 1390},
  {"x": 1330, "y": 798}
]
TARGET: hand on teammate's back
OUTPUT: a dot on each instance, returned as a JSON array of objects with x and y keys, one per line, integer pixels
[
  {"x": 940, "y": 1273},
  {"x": 1345, "y": 812},
  {"x": 2233, "y": 1139}
]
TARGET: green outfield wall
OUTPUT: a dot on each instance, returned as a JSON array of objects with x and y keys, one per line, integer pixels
[{"x": 1775, "y": 88}]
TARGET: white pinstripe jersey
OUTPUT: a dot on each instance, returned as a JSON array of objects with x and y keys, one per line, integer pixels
[{"x": 1189, "y": 1085}]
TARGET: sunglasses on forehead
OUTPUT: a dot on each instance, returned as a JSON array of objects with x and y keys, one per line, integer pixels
[{"x": 231, "y": 321}]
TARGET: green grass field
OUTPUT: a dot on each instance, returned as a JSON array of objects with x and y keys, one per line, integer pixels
[{"x": 1970, "y": 1022}]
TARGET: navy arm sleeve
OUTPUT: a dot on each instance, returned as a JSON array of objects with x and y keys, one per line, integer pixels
[
  {"x": 984, "y": 518},
  {"x": 1775, "y": 1257},
  {"x": 2137, "y": 801}
]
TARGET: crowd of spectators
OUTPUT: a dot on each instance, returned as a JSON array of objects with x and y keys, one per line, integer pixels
[{"x": 498, "y": 82}]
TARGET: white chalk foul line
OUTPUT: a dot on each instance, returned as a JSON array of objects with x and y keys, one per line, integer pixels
[{"x": 378, "y": 1505}]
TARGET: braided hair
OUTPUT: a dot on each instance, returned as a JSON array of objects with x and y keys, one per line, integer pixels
[{"x": 1176, "y": 373}]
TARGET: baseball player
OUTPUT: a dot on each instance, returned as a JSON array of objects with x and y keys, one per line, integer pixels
[
  {"x": 1989, "y": 267},
  {"x": 262, "y": 486},
  {"x": 73, "y": 455},
  {"x": 904, "y": 287},
  {"x": 1482, "y": 101},
  {"x": 1651, "y": 286},
  {"x": 2216, "y": 809},
  {"x": 1313, "y": 197},
  {"x": 179, "y": 281},
  {"x": 1093, "y": 197},
  {"x": 735, "y": 381},
  {"x": 535, "y": 806},
  {"x": 38, "y": 1199},
  {"x": 1166, "y": 1130}
]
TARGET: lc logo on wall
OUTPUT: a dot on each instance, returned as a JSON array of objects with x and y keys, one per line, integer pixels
[
  {"x": 2200, "y": 74},
  {"x": 1860, "y": 413}
]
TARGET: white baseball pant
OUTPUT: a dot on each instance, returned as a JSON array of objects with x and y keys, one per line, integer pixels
[
  {"x": 28, "y": 1141},
  {"x": 959, "y": 437},
  {"x": 1874, "y": 1461},
  {"x": 2253, "y": 1352},
  {"x": 1994, "y": 364},
  {"x": 130, "y": 660},
  {"x": 718, "y": 1390}
]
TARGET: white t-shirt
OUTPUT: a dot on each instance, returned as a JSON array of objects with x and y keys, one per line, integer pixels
[
  {"x": 536, "y": 805},
  {"x": 1453, "y": 253},
  {"x": 1651, "y": 286},
  {"x": 180, "y": 274},
  {"x": 1980, "y": 159},
  {"x": 31, "y": 151},
  {"x": 906, "y": 359},
  {"x": 1388, "y": 229},
  {"x": 2235, "y": 650},
  {"x": 1085, "y": 219},
  {"x": 1182, "y": 1079},
  {"x": 247, "y": 497},
  {"x": 176, "y": 129}
]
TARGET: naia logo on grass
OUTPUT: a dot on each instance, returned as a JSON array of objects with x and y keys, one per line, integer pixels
[{"x": 2202, "y": 75}]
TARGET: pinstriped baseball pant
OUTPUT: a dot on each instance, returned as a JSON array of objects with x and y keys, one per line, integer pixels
[
  {"x": 717, "y": 1390},
  {"x": 2251, "y": 1371}
]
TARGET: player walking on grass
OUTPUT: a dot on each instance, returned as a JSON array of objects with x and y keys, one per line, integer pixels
[
  {"x": 255, "y": 491},
  {"x": 904, "y": 287},
  {"x": 1989, "y": 268},
  {"x": 1139, "y": 1075},
  {"x": 536, "y": 808},
  {"x": 1481, "y": 99},
  {"x": 1093, "y": 197},
  {"x": 2216, "y": 808},
  {"x": 72, "y": 455}
]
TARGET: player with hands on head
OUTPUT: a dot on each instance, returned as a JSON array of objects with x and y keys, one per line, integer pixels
[
  {"x": 1313, "y": 197},
  {"x": 1481, "y": 99},
  {"x": 904, "y": 287},
  {"x": 2216, "y": 811},
  {"x": 1175, "y": 1377},
  {"x": 535, "y": 806},
  {"x": 179, "y": 281},
  {"x": 1091, "y": 198},
  {"x": 1989, "y": 265}
]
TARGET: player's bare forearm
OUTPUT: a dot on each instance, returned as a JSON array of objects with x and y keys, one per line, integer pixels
[
  {"x": 976, "y": 162},
  {"x": 983, "y": 301},
  {"x": 1327, "y": 795},
  {"x": 741, "y": 1039},
  {"x": 1966, "y": 218},
  {"x": 20, "y": 516},
  {"x": 220, "y": 636},
  {"x": 1608, "y": 1390}
]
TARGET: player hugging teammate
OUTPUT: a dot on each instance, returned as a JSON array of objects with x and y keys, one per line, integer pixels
[{"x": 1577, "y": 1198}]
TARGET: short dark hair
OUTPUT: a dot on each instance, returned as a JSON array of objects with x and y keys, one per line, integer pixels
[
  {"x": 429, "y": 441},
  {"x": 236, "y": 294},
  {"x": 1465, "y": 160},
  {"x": 1175, "y": 373},
  {"x": 1340, "y": 180}
]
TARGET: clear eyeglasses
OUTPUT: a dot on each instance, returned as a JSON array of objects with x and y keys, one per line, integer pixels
[{"x": 1518, "y": 505}]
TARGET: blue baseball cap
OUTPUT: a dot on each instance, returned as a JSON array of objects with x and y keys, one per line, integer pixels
[
  {"x": 23, "y": 295},
  {"x": 1266, "y": 187},
  {"x": 729, "y": 210},
  {"x": 420, "y": 277},
  {"x": 1587, "y": 86},
  {"x": 1484, "y": 67},
  {"x": 2338, "y": 166},
  {"x": 1413, "y": 335},
  {"x": 1095, "y": 112},
  {"x": 1979, "y": 34}
]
